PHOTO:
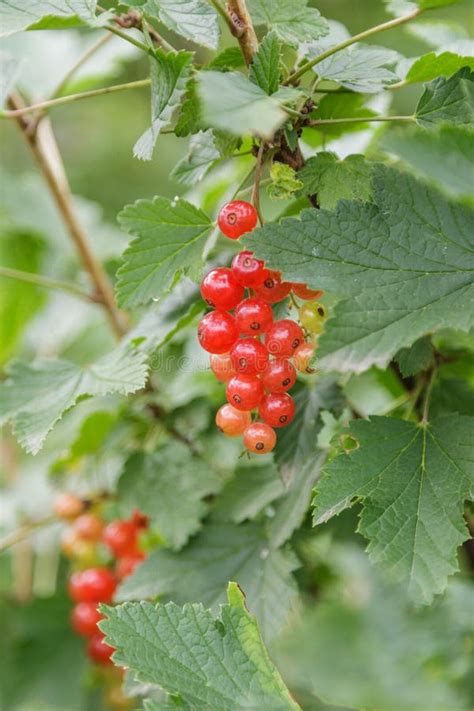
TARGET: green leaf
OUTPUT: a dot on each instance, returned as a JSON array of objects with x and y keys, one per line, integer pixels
[
  {"x": 435, "y": 64},
  {"x": 201, "y": 156},
  {"x": 251, "y": 490},
  {"x": 265, "y": 67},
  {"x": 417, "y": 358},
  {"x": 169, "y": 235},
  {"x": 10, "y": 69},
  {"x": 189, "y": 120},
  {"x": 229, "y": 58},
  {"x": 293, "y": 21},
  {"x": 173, "y": 647},
  {"x": 233, "y": 103},
  {"x": 19, "y": 301},
  {"x": 403, "y": 7},
  {"x": 365, "y": 647},
  {"x": 46, "y": 14},
  {"x": 447, "y": 100},
  {"x": 443, "y": 156},
  {"x": 35, "y": 397},
  {"x": 194, "y": 20},
  {"x": 403, "y": 262},
  {"x": 169, "y": 75},
  {"x": 412, "y": 480},
  {"x": 362, "y": 68},
  {"x": 222, "y": 552},
  {"x": 331, "y": 179},
  {"x": 284, "y": 182},
  {"x": 334, "y": 106},
  {"x": 438, "y": 33},
  {"x": 168, "y": 486}
]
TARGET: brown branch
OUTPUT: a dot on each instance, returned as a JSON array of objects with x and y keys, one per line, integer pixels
[
  {"x": 242, "y": 28},
  {"x": 44, "y": 148}
]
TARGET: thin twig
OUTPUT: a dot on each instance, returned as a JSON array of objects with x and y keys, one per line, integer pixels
[
  {"x": 49, "y": 161},
  {"x": 47, "y": 283},
  {"x": 74, "y": 97},
  {"x": 323, "y": 122},
  {"x": 79, "y": 63},
  {"x": 255, "y": 199},
  {"x": 25, "y": 531},
  {"x": 351, "y": 40},
  {"x": 129, "y": 38}
]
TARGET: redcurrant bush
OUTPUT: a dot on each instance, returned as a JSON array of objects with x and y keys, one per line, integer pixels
[
  {"x": 84, "y": 618},
  {"x": 259, "y": 438},
  {"x": 277, "y": 409},
  {"x": 249, "y": 355},
  {"x": 92, "y": 585},
  {"x": 247, "y": 270},
  {"x": 253, "y": 317},
  {"x": 232, "y": 422},
  {"x": 236, "y": 218},
  {"x": 244, "y": 392},
  {"x": 220, "y": 290},
  {"x": 279, "y": 375},
  {"x": 217, "y": 332},
  {"x": 283, "y": 338}
]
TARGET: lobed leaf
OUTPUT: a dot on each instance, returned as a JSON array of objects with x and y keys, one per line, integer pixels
[
  {"x": 265, "y": 67},
  {"x": 292, "y": 20},
  {"x": 194, "y": 20},
  {"x": 447, "y": 100},
  {"x": 332, "y": 180},
  {"x": 47, "y": 14}
]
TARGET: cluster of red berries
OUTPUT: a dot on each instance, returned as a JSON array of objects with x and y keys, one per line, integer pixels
[
  {"x": 255, "y": 355},
  {"x": 88, "y": 543}
]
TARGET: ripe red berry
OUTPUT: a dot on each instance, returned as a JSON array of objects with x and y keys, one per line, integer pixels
[
  {"x": 244, "y": 391},
  {"x": 232, "y": 422},
  {"x": 127, "y": 564},
  {"x": 88, "y": 526},
  {"x": 249, "y": 356},
  {"x": 273, "y": 289},
  {"x": 220, "y": 289},
  {"x": 121, "y": 537},
  {"x": 279, "y": 376},
  {"x": 98, "y": 650},
  {"x": 221, "y": 366},
  {"x": 92, "y": 585},
  {"x": 248, "y": 270},
  {"x": 284, "y": 337},
  {"x": 302, "y": 358},
  {"x": 259, "y": 438},
  {"x": 236, "y": 218},
  {"x": 253, "y": 317},
  {"x": 84, "y": 618},
  {"x": 68, "y": 506},
  {"x": 277, "y": 409},
  {"x": 217, "y": 332},
  {"x": 304, "y": 292}
]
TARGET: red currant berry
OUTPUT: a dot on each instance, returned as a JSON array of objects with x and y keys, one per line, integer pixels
[
  {"x": 248, "y": 270},
  {"x": 249, "y": 356},
  {"x": 221, "y": 366},
  {"x": 92, "y": 585},
  {"x": 253, "y": 317},
  {"x": 127, "y": 564},
  {"x": 277, "y": 409},
  {"x": 68, "y": 506},
  {"x": 312, "y": 316},
  {"x": 244, "y": 391},
  {"x": 120, "y": 537},
  {"x": 98, "y": 650},
  {"x": 78, "y": 549},
  {"x": 283, "y": 338},
  {"x": 273, "y": 289},
  {"x": 220, "y": 289},
  {"x": 302, "y": 358},
  {"x": 304, "y": 292},
  {"x": 259, "y": 438},
  {"x": 88, "y": 526},
  {"x": 236, "y": 218},
  {"x": 84, "y": 618},
  {"x": 217, "y": 332},
  {"x": 232, "y": 422},
  {"x": 279, "y": 376}
]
